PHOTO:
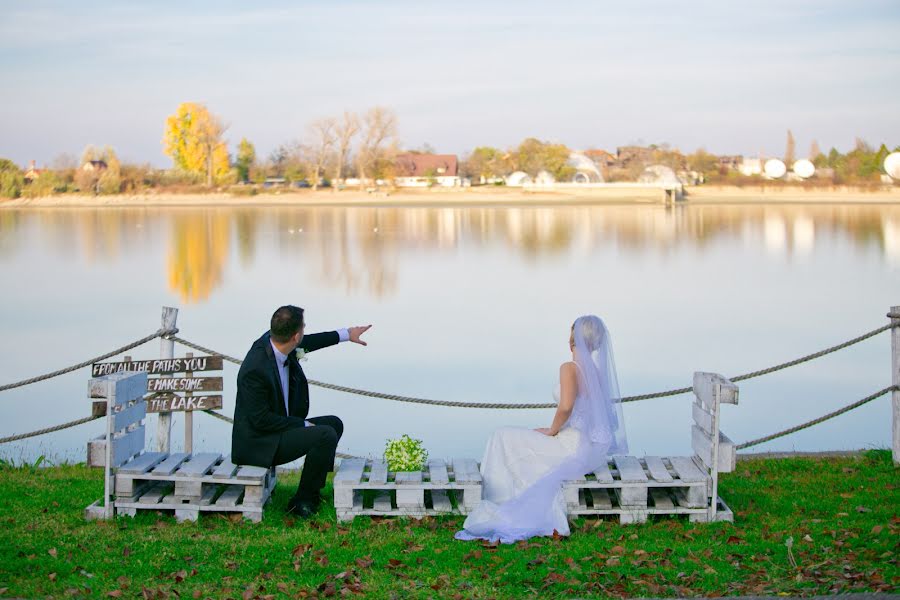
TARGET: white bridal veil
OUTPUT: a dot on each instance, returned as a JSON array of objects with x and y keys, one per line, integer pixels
[{"x": 597, "y": 415}]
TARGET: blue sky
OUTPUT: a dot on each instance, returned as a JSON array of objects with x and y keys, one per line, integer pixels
[{"x": 730, "y": 77}]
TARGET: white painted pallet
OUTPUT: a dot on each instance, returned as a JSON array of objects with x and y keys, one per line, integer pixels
[
  {"x": 366, "y": 487},
  {"x": 634, "y": 488},
  {"x": 189, "y": 484}
]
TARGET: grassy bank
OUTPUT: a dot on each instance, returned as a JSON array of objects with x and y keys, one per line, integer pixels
[{"x": 803, "y": 526}]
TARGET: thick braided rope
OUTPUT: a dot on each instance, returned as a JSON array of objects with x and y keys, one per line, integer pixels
[
  {"x": 22, "y": 436},
  {"x": 228, "y": 419},
  {"x": 80, "y": 365},
  {"x": 454, "y": 404},
  {"x": 821, "y": 419}
]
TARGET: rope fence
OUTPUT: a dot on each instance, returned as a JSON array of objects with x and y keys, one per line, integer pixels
[
  {"x": 169, "y": 334},
  {"x": 81, "y": 365}
]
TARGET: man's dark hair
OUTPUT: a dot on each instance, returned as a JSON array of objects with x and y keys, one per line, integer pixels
[{"x": 286, "y": 322}]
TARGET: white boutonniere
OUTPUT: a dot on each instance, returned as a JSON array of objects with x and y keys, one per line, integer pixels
[{"x": 301, "y": 354}]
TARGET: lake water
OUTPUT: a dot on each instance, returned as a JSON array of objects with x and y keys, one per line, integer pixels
[{"x": 467, "y": 304}]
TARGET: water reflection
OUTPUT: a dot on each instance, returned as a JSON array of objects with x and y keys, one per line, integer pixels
[{"x": 359, "y": 249}]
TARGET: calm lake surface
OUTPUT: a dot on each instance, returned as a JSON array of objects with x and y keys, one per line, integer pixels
[{"x": 469, "y": 304}]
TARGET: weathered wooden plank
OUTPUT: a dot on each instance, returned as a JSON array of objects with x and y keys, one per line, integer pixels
[
  {"x": 173, "y": 403},
  {"x": 692, "y": 497},
  {"x": 185, "y": 384},
  {"x": 658, "y": 470},
  {"x": 250, "y": 472},
  {"x": 702, "y": 445},
  {"x": 635, "y": 496},
  {"x": 226, "y": 468},
  {"x": 157, "y": 492},
  {"x": 379, "y": 472},
  {"x": 661, "y": 499},
  {"x": 702, "y": 417},
  {"x": 230, "y": 496},
  {"x": 705, "y": 385},
  {"x": 630, "y": 469},
  {"x": 169, "y": 465},
  {"x": 603, "y": 474},
  {"x": 437, "y": 471},
  {"x": 468, "y": 469},
  {"x": 198, "y": 465},
  {"x": 440, "y": 501},
  {"x": 119, "y": 389},
  {"x": 687, "y": 470},
  {"x": 126, "y": 446},
  {"x": 143, "y": 463},
  {"x": 409, "y": 495},
  {"x": 158, "y": 366},
  {"x": 209, "y": 493},
  {"x": 350, "y": 471},
  {"x": 600, "y": 498},
  {"x": 382, "y": 501},
  {"x": 570, "y": 491},
  {"x": 129, "y": 415}
]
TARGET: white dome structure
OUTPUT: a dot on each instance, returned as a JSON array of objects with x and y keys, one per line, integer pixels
[
  {"x": 544, "y": 178},
  {"x": 774, "y": 168},
  {"x": 892, "y": 165},
  {"x": 586, "y": 170},
  {"x": 518, "y": 179},
  {"x": 658, "y": 174},
  {"x": 804, "y": 168}
]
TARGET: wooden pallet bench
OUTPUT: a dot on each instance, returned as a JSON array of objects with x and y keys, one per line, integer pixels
[
  {"x": 635, "y": 488},
  {"x": 366, "y": 487},
  {"x": 185, "y": 483},
  {"x": 191, "y": 484}
]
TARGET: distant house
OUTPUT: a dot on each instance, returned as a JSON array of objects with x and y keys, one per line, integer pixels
[
  {"x": 424, "y": 170},
  {"x": 601, "y": 157},
  {"x": 627, "y": 155},
  {"x": 32, "y": 172},
  {"x": 732, "y": 163},
  {"x": 94, "y": 166}
]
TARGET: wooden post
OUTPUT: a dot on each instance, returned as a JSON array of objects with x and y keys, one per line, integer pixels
[
  {"x": 189, "y": 416},
  {"x": 166, "y": 350},
  {"x": 895, "y": 380}
]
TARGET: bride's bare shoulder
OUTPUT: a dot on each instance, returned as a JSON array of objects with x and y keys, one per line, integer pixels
[{"x": 567, "y": 368}]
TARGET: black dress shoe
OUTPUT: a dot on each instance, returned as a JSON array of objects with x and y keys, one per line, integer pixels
[{"x": 302, "y": 507}]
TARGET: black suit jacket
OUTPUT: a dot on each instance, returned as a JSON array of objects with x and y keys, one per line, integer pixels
[{"x": 259, "y": 415}]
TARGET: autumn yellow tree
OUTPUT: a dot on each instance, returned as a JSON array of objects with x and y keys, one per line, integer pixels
[{"x": 193, "y": 139}]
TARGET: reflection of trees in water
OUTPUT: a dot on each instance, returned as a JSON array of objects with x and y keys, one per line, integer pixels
[
  {"x": 12, "y": 225},
  {"x": 246, "y": 223},
  {"x": 197, "y": 253}
]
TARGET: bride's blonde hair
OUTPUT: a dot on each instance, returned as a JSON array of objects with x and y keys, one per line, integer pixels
[{"x": 591, "y": 330}]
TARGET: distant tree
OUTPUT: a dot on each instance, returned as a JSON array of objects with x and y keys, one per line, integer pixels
[
  {"x": 790, "y": 150},
  {"x": 99, "y": 171},
  {"x": 193, "y": 138},
  {"x": 814, "y": 151},
  {"x": 346, "y": 129},
  {"x": 377, "y": 146},
  {"x": 246, "y": 159},
  {"x": 323, "y": 133},
  {"x": 486, "y": 162},
  {"x": 11, "y": 179},
  {"x": 534, "y": 156},
  {"x": 703, "y": 162}
]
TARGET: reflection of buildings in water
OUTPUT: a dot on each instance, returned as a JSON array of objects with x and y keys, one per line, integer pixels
[
  {"x": 804, "y": 235},
  {"x": 197, "y": 254},
  {"x": 774, "y": 234},
  {"x": 891, "y": 234}
]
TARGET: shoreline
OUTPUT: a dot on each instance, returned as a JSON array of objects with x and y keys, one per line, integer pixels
[{"x": 500, "y": 197}]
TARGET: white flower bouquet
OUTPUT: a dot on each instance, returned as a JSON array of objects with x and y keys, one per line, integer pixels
[{"x": 405, "y": 454}]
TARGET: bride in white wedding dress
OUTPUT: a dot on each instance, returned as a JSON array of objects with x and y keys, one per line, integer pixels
[{"x": 524, "y": 469}]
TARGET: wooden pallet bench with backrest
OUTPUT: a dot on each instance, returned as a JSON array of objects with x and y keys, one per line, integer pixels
[
  {"x": 366, "y": 487},
  {"x": 634, "y": 488},
  {"x": 184, "y": 483}
]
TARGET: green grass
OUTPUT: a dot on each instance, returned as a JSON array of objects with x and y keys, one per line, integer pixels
[{"x": 840, "y": 512}]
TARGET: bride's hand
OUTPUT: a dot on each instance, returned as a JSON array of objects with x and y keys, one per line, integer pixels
[{"x": 545, "y": 431}]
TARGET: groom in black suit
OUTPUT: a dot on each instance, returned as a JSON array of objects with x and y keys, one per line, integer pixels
[{"x": 270, "y": 424}]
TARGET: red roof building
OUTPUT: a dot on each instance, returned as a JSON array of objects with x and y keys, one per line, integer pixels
[{"x": 427, "y": 165}]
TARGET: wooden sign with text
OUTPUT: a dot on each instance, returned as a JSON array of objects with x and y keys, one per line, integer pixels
[
  {"x": 185, "y": 384},
  {"x": 172, "y": 403},
  {"x": 160, "y": 366}
]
